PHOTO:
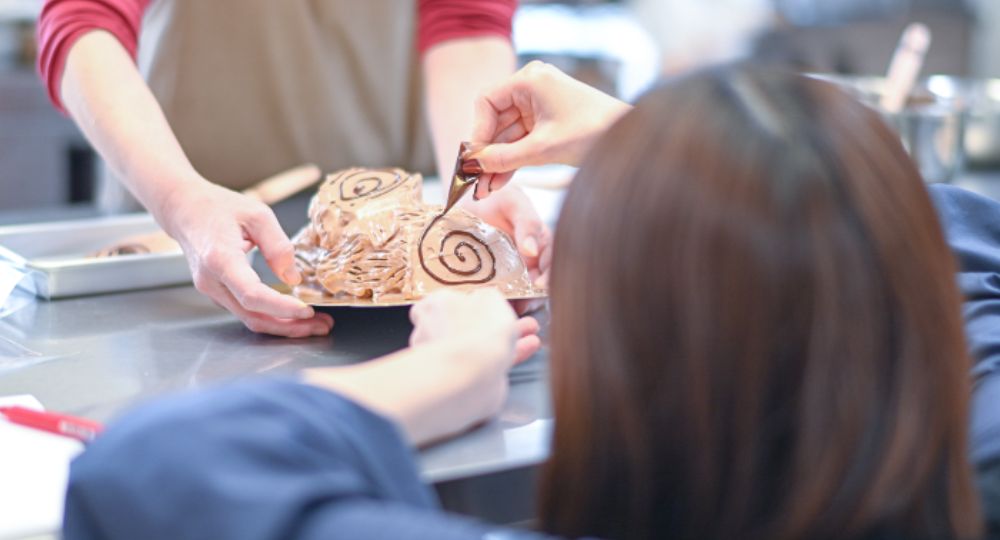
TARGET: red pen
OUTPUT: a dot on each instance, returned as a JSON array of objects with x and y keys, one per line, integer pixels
[{"x": 80, "y": 429}]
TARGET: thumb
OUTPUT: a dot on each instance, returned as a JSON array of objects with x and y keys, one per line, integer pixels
[{"x": 275, "y": 246}]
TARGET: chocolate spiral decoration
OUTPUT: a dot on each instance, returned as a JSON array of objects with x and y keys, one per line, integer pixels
[
  {"x": 368, "y": 184},
  {"x": 469, "y": 251}
]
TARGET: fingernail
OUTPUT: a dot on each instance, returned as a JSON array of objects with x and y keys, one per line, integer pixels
[
  {"x": 475, "y": 192},
  {"x": 530, "y": 246},
  {"x": 542, "y": 282},
  {"x": 472, "y": 167}
]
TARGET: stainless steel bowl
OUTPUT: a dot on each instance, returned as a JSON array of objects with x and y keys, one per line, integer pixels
[
  {"x": 932, "y": 126},
  {"x": 982, "y": 128}
]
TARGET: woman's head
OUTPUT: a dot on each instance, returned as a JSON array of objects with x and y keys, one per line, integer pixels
[{"x": 755, "y": 332}]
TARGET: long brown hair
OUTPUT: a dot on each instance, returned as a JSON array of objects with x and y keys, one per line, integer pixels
[{"x": 755, "y": 326}]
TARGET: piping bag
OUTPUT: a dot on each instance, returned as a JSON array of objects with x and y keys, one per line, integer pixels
[{"x": 464, "y": 177}]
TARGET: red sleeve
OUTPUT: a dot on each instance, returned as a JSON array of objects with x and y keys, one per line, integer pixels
[
  {"x": 442, "y": 20},
  {"x": 62, "y": 22}
]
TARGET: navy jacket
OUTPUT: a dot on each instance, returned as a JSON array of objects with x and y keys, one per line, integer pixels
[
  {"x": 972, "y": 226},
  {"x": 266, "y": 459}
]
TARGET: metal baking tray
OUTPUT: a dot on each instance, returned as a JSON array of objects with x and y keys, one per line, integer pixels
[{"x": 56, "y": 257}]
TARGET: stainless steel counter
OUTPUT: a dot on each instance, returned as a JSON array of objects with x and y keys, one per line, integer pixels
[{"x": 97, "y": 356}]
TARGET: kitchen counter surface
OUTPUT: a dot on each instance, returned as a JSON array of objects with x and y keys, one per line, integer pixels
[{"x": 96, "y": 356}]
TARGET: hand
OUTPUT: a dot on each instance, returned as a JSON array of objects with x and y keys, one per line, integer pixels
[
  {"x": 512, "y": 212},
  {"x": 538, "y": 116},
  {"x": 482, "y": 316},
  {"x": 453, "y": 376},
  {"x": 216, "y": 227}
]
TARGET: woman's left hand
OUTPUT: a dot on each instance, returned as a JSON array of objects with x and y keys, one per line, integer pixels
[{"x": 511, "y": 211}]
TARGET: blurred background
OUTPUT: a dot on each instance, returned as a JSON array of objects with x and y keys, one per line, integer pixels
[{"x": 619, "y": 46}]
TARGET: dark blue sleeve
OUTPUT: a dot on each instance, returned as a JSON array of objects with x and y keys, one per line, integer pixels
[
  {"x": 266, "y": 459},
  {"x": 972, "y": 226}
]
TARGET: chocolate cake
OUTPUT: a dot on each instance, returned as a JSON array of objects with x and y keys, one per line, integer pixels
[{"x": 371, "y": 237}]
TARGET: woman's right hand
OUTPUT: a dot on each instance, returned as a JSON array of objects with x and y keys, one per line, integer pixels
[
  {"x": 216, "y": 227},
  {"x": 538, "y": 116},
  {"x": 482, "y": 317},
  {"x": 453, "y": 376}
]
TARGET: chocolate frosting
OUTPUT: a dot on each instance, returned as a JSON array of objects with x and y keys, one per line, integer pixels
[{"x": 371, "y": 236}]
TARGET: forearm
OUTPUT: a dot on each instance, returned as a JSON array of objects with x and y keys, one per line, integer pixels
[
  {"x": 456, "y": 72},
  {"x": 419, "y": 388},
  {"x": 102, "y": 90},
  {"x": 111, "y": 103},
  {"x": 341, "y": 472}
]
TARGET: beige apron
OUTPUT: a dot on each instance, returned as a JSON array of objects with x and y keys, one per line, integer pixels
[{"x": 252, "y": 87}]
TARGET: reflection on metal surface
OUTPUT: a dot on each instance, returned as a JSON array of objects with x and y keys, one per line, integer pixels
[
  {"x": 528, "y": 444},
  {"x": 14, "y": 355}
]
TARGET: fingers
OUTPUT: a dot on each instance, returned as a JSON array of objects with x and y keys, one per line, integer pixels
[
  {"x": 504, "y": 121},
  {"x": 525, "y": 348},
  {"x": 231, "y": 268},
  {"x": 427, "y": 314},
  {"x": 528, "y": 341},
  {"x": 542, "y": 281},
  {"x": 488, "y": 183},
  {"x": 510, "y": 156},
  {"x": 545, "y": 261},
  {"x": 515, "y": 131},
  {"x": 529, "y": 231},
  {"x": 526, "y": 326},
  {"x": 319, "y": 324},
  {"x": 496, "y": 100},
  {"x": 484, "y": 124},
  {"x": 277, "y": 249},
  {"x": 527, "y": 305},
  {"x": 446, "y": 314},
  {"x": 424, "y": 308}
]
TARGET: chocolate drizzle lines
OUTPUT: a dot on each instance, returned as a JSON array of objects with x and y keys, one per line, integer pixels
[
  {"x": 370, "y": 186},
  {"x": 468, "y": 248}
]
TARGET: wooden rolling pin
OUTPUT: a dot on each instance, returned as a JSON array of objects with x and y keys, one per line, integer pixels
[{"x": 269, "y": 191}]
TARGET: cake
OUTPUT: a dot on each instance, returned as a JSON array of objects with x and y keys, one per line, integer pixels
[{"x": 371, "y": 237}]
